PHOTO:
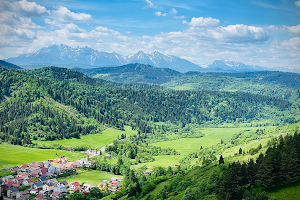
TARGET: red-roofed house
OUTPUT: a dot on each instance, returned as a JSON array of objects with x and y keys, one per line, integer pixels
[
  {"x": 23, "y": 174},
  {"x": 64, "y": 160},
  {"x": 55, "y": 195},
  {"x": 76, "y": 164},
  {"x": 76, "y": 189},
  {"x": 44, "y": 170},
  {"x": 40, "y": 197},
  {"x": 19, "y": 180},
  {"x": 28, "y": 182},
  {"x": 9, "y": 183},
  {"x": 16, "y": 185},
  {"x": 57, "y": 161},
  {"x": 68, "y": 166},
  {"x": 72, "y": 186}
]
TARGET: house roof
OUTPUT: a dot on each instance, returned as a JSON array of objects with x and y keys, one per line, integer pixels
[
  {"x": 76, "y": 184},
  {"x": 15, "y": 185},
  {"x": 29, "y": 180},
  {"x": 24, "y": 192},
  {"x": 25, "y": 165},
  {"x": 76, "y": 163},
  {"x": 9, "y": 183},
  {"x": 55, "y": 194},
  {"x": 34, "y": 165},
  {"x": 44, "y": 170},
  {"x": 19, "y": 178},
  {"x": 38, "y": 184},
  {"x": 43, "y": 179},
  {"x": 39, "y": 196},
  {"x": 14, "y": 189},
  {"x": 78, "y": 188},
  {"x": 68, "y": 165},
  {"x": 64, "y": 182}
]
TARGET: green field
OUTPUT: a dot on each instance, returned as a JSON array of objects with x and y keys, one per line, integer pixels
[
  {"x": 12, "y": 155},
  {"x": 91, "y": 177},
  {"x": 163, "y": 161},
  {"x": 212, "y": 136},
  {"x": 287, "y": 193},
  {"x": 95, "y": 141}
]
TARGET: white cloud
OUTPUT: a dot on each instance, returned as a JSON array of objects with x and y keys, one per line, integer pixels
[
  {"x": 240, "y": 33},
  {"x": 179, "y": 17},
  {"x": 160, "y": 14},
  {"x": 173, "y": 11},
  {"x": 150, "y": 4},
  {"x": 297, "y": 3},
  {"x": 63, "y": 14},
  {"x": 294, "y": 29},
  {"x": 24, "y": 8},
  {"x": 201, "y": 21}
]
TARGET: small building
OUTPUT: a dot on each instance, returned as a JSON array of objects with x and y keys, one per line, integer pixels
[
  {"x": 64, "y": 182},
  {"x": 76, "y": 165},
  {"x": 87, "y": 187},
  {"x": 8, "y": 178},
  {"x": 53, "y": 181},
  {"x": 44, "y": 170},
  {"x": 64, "y": 160},
  {"x": 38, "y": 185},
  {"x": 61, "y": 188},
  {"x": 19, "y": 180},
  {"x": 23, "y": 194},
  {"x": 28, "y": 182},
  {"x": 76, "y": 189},
  {"x": 12, "y": 192},
  {"x": 40, "y": 197},
  {"x": 57, "y": 161},
  {"x": 55, "y": 195},
  {"x": 52, "y": 169},
  {"x": 72, "y": 186},
  {"x": 43, "y": 179},
  {"x": 47, "y": 164},
  {"x": 68, "y": 166},
  {"x": 114, "y": 179},
  {"x": 34, "y": 191},
  {"x": 48, "y": 186},
  {"x": 23, "y": 174}
]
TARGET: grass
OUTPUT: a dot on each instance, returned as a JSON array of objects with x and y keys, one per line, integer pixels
[
  {"x": 163, "y": 161},
  {"x": 95, "y": 141},
  {"x": 91, "y": 177},
  {"x": 14, "y": 155},
  {"x": 287, "y": 193},
  {"x": 212, "y": 136}
]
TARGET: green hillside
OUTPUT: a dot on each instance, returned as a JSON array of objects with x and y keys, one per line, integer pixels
[
  {"x": 132, "y": 73},
  {"x": 9, "y": 65}
]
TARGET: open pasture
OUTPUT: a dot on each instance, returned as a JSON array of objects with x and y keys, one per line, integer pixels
[
  {"x": 95, "y": 141},
  {"x": 14, "y": 155},
  {"x": 91, "y": 177}
]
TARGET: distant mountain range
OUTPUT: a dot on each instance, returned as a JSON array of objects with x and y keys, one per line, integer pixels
[{"x": 85, "y": 57}]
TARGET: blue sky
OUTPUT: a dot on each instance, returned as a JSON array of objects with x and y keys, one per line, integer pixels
[{"x": 265, "y": 33}]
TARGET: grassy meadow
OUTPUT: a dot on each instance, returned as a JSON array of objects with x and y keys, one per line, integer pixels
[
  {"x": 91, "y": 177},
  {"x": 95, "y": 141},
  {"x": 287, "y": 193},
  {"x": 14, "y": 155},
  {"x": 212, "y": 136}
]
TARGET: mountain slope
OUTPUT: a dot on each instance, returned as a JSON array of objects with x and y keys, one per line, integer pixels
[
  {"x": 132, "y": 73},
  {"x": 55, "y": 103},
  {"x": 9, "y": 65},
  {"x": 230, "y": 66},
  {"x": 65, "y": 56}
]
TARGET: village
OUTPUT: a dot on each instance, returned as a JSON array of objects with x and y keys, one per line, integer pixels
[{"x": 39, "y": 180}]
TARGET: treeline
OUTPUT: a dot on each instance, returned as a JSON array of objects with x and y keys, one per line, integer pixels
[{"x": 278, "y": 167}]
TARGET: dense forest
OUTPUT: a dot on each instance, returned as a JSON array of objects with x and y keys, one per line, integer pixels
[{"x": 61, "y": 100}]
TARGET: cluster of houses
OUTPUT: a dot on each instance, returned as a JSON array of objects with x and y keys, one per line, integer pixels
[{"x": 39, "y": 179}]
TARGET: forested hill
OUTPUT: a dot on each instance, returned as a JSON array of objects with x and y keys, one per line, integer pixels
[
  {"x": 57, "y": 104},
  {"x": 9, "y": 65},
  {"x": 132, "y": 73}
]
